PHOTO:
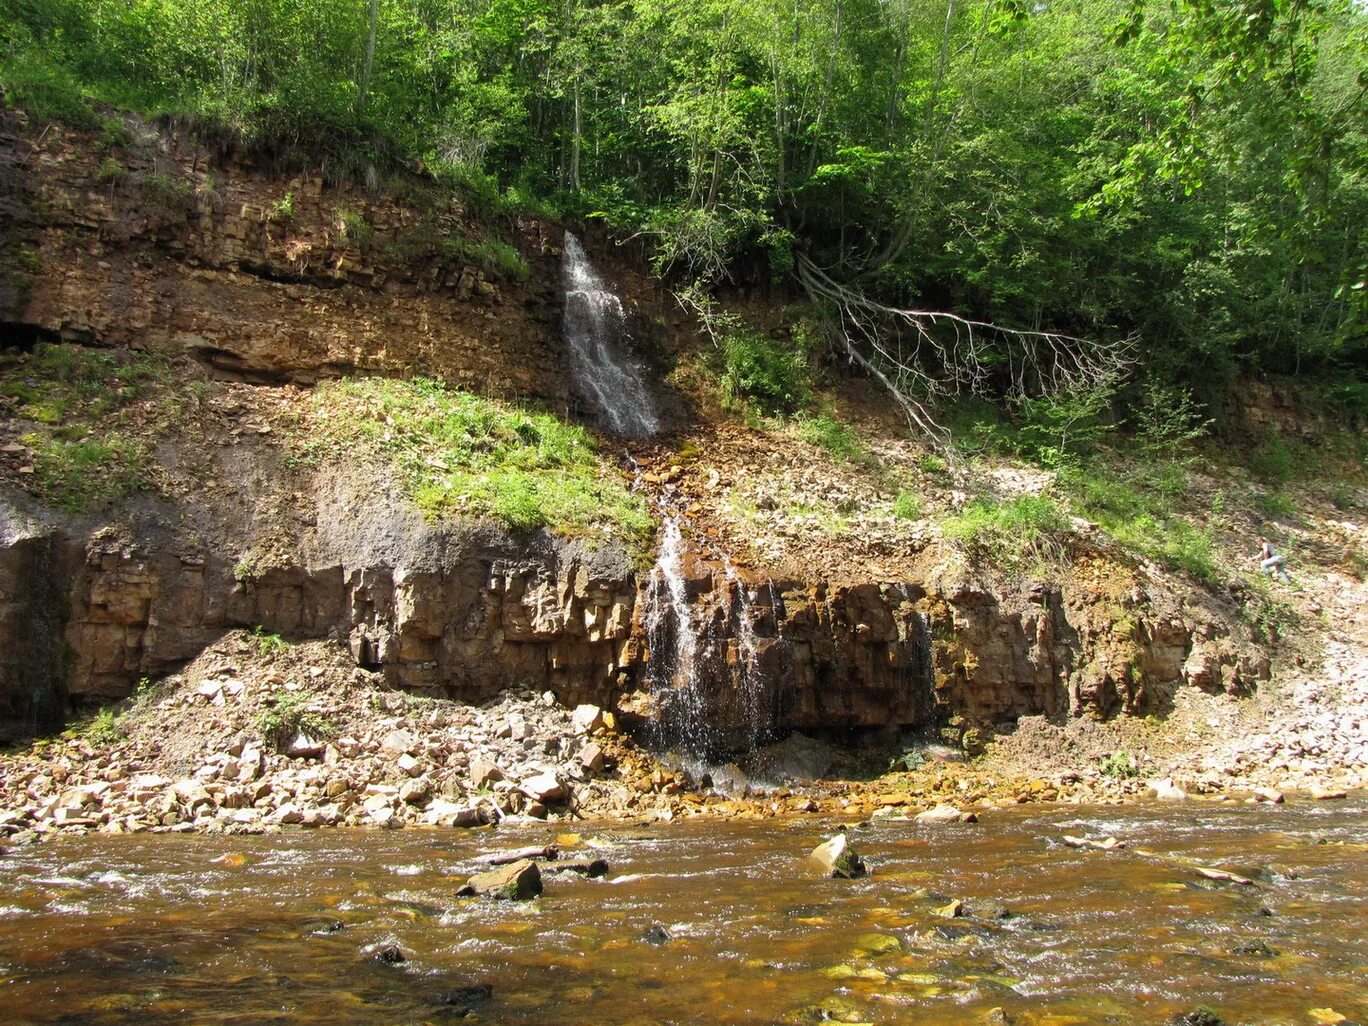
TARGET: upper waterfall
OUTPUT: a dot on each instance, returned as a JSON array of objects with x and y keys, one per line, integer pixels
[{"x": 595, "y": 328}]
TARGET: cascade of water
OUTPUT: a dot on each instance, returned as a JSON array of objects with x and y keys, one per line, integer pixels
[
  {"x": 670, "y": 634},
  {"x": 749, "y": 681},
  {"x": 595, "y": 327}
]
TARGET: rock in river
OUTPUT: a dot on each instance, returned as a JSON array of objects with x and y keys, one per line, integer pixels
[
  {"x": 517, "y": 881},
  {"x": 838, "y": 859}
]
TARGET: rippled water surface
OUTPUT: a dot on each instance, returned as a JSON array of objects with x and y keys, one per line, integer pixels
[{"x": 704, "y": 923}]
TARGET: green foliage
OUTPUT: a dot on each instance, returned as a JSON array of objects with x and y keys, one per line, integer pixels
[
  {"x": 763, "y": 372},
  {"x": 103, "y": 729},
  {"x": 87, "y": 474},
  {"x": 1056, "y": 431},
  {"x": 1121, "y": 765},
  {"x": 1019, "y": 535},
  {"x": 1187, "y": 172},
  {"x": 1168, "y": 420},
  {"x": 463, "y": 455},
  {"x": 908, "y": 762},
  {"x": 111, "y": 172},
  {"x": 839, "y": 440},
  {"x": 283, "y": 208},
  {"x": 287, "y": 714},
  {"x": 1272, "y": 461},
  {"x": 907, "y": 506},
  {"x": 267, "y": 644},
  {"x": 353, "y": 228},
  {"x": 1140, "y": 511}
]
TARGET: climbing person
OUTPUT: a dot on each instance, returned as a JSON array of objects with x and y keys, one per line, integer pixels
[{"x": 1271, "y": 563}]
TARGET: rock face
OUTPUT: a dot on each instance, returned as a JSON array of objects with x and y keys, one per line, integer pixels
[
  {"x": 156, "y": 253},
  {"x": 467, "y": 618}
]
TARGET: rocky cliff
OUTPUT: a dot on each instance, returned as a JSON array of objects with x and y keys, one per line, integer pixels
[{"x": 256, "y": 285}]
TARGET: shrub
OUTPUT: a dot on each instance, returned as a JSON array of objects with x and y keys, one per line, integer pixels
[
  {"x": 104, "y": 729},
  {"x": 283, "y": 208},
  {"x": 764, "y": 372},
  {"x": 267, "y": 644},
  {"x": 1272, "y": 461},
  {"x": 288, "y": 714},
  {"x": 354, "y": 229},
  {"x": 1119, "y": 764}
]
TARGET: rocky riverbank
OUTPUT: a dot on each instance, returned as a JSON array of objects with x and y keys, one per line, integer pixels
[{"x": 258, "y": 735}]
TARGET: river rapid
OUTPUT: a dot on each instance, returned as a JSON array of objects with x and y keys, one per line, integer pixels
[{"x": 705, "y": 923}]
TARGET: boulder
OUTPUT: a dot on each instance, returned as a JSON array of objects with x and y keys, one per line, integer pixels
[
  {"x": 399, "y": 742},
  {"x": 1167, "y": 790},
  {"x": 591, "y": 758},
  {"x": 484, "y": 772},
  {"x": 517, "y": 881},
  {"x": 414, "y": 792},
  {"x": 449, "y": 814},
  {"x": 587, "y": 718},
  {"x": 940, "y": 814},
  {"x": 543, "y": 787},
  {"x": 592, "y": 868},
  {"x": 303, "y": 747},
  {"x": 838, "y": 859},
  {"x": 798, "y": 757}
]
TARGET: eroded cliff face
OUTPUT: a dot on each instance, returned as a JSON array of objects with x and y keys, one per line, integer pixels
[
  {"x": 159, "y": 244},
  {"x": 772, "y": 656}
]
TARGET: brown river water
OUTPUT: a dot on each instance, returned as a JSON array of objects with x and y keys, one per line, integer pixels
[{"x": 705, "y": 923}]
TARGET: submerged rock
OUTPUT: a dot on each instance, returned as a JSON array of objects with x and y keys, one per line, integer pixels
[
  {"x": 838, "y": 859},
  {"x": 1199, "y": 1016},
  {"x": 656, "y": 934},
  {"x": 462, "y": 1000},
  {"x": 517, "y": 881}
]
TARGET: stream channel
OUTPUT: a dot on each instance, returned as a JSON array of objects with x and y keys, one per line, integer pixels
[{"x": 704, "y": 923}]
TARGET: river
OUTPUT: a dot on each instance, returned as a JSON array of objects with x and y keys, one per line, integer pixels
[{"x": 704, "y": 922}]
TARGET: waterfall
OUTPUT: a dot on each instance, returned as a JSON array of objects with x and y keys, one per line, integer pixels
[
  {"x": 596, "y": 328},
  {"x": 673, "y": 672},
  {"x": 749, "y": 682}
]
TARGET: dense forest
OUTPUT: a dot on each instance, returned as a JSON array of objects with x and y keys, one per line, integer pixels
[{"x": 1186, "y": 179}]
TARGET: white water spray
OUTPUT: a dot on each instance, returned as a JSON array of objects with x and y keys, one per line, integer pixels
[{"x": 595, "y": 327}]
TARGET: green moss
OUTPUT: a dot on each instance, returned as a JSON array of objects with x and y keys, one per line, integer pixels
[
  {"x": 462, "y": 455},
  {"x": 907, "y": 506}
]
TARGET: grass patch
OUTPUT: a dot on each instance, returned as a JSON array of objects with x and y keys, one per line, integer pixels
[
  {"x": 84, "y": 455},
  {"x": 61, "y": 382},
  {"x": 839, "y": 440},
  {"x": 1140, "y": 514},
  {"x": 462, "y": 455},
  {"x": 1020, "y": 534},
  {"x": 907, "y": 507},
  {"x": 88, "y": 474}
]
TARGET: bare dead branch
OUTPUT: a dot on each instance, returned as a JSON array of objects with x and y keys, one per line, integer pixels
[{"x": 922, "y": 356}]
